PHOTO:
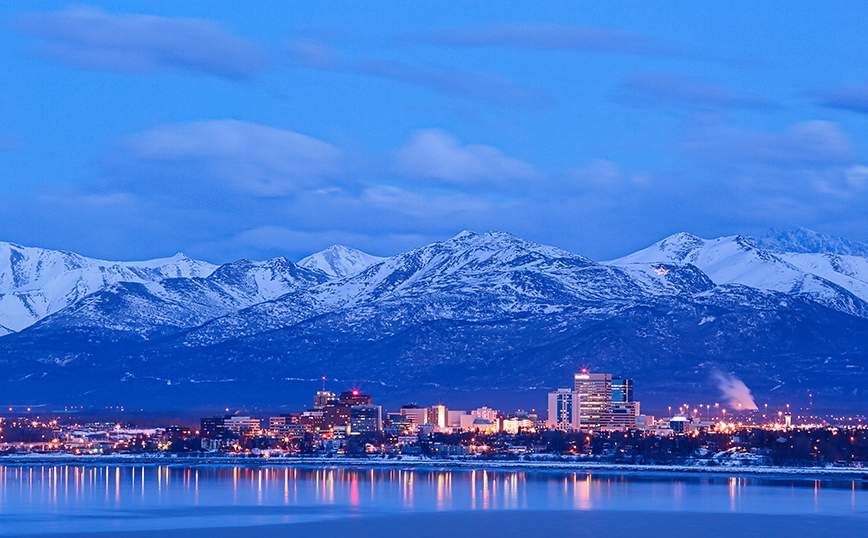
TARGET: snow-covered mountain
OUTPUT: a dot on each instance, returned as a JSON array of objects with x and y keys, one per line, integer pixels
[
  {"x": 339, "y": 261},
  {"x": 35, "y": 282},
  {"x": 478, "y": 310},
  {"x": 146, "y": 310},
  {"x": 473, "y": 277},
  {"x": 804, "y": 241},
  {"x": 837, "y": 281}
]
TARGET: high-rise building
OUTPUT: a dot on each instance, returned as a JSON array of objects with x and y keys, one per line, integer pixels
[
  {"x": 354, "y": 397},
  {"x": 595, "y": 396},
  {"x": 624, "y": 408},
  {"x": 564, "y": 410},
  {"x": 322, "y": 398},
  {"x": 622, "y": 390},
  {"x": 336, "y": 413},
  {"x": 415, "y": 414},
  {"x": 438, "y": 416},
  {"x": 365, "y": 419}
]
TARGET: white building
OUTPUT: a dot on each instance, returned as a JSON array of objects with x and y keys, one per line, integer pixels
[
  {"x": 514, "y": 425},
  {"x": 242, "y": 424},
  {"x": 486, "y": 413},
  {"x": 564, "y": 410},
  {"x": 416, "y": 415}
]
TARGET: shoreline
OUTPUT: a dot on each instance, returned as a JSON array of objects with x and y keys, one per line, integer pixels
[{"x": 417, "y": 462}]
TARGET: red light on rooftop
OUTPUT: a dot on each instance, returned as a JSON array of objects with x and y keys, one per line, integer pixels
[{"x": 355, "y": 393}]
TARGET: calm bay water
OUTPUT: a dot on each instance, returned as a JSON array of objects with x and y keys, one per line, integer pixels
[{"x": 72, "y": 499}]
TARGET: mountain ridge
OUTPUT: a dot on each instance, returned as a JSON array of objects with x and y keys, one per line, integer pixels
[{"x": 477, "y": 310}]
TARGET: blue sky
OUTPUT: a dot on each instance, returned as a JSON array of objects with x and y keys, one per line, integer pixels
[{"x": 225, "y": 130}]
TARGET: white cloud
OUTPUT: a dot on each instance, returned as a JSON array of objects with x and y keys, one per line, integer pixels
[
  {"x": 132, "y": 43},
  {"x": 482, "y": 86},
  {"x": 246, "y": 157},
  {"x": 805, "y": 144},
  {"x": 434, "y": 154},
  {"x": 667, "y": 89},
  {"x": 275, "y": 239}
]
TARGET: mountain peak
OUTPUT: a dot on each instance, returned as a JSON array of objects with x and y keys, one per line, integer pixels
[
  {"x": 805, "y": 241},
  {"x": 465, "y": 234},
  {"x": 339, "y": 261}
]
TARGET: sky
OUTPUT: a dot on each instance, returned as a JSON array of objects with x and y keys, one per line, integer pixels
[{"x": 228, "y": 130}]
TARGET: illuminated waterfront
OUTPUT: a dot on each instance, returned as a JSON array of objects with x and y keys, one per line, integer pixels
[{"x": 82, "y": 498}]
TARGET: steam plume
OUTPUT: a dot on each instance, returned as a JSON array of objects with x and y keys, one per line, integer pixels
[{"x": 734, "y": 391}]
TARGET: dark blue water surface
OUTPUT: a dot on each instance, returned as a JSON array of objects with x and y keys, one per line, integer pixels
[{"x": 68, "y": 499}]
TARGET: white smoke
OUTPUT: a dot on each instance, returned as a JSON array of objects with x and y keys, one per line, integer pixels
[{"x": 734, "y": 391}]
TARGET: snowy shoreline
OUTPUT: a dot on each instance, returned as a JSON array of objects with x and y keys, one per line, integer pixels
[{"x": 440, "y": 463}]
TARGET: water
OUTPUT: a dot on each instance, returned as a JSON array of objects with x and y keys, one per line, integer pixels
[{"x": 70, "y": 499}]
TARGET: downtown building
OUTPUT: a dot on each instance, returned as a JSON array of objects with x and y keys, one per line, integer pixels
[
  {"x": 365, "y": 418},
  {"x": 564, "y": 407},
  {"x": 595, "y": 399},
  {"x": 601, "y": 402},
  {"x": 624, "y": 408}
]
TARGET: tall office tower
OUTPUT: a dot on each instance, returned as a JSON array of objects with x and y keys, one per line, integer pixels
[
  {"x": 624, "y": 408},
  {"x": 595, "y": 396},
  {"x": 437, "y": 416},
  {"x": 322, "y": 398},
  {"x": 622, "y": 390},
  {"x": 564, "y": 410},
  {"x": 365, "y": 419},
  {"x": 354, "y": 397}
]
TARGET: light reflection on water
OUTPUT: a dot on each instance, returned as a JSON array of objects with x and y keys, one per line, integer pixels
[{"x": 79, "y": 498}]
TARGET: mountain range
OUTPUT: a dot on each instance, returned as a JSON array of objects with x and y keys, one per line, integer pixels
[{"x": 479, "y": 315}]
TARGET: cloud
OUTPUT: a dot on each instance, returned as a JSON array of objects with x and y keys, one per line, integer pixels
[
  {"x": 665, "y": 89},
  {"x": 806, "y": 144},
  {"x": 225, "y": 189},
  {"x": 805, "y": 175},
  {"x": 434, "y": 154},
  {"x": 277, "y": 240},
  {"x": 553, "y": 37},
  {"x": 228, "y": 155},
  {"x": 142, "y": 44},
  {"x": 853, "y": 98},
  {"x": 480, "y": 86}
]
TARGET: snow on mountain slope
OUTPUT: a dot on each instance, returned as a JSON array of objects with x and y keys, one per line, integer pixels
[
  {"x": 339, "y": 261},
  {"x": 157, "y": 308},
  {"x": 35, "y": 282},
  {"x": 474, "y": 277},
  {"x": 840, "y": 282},
  {"x": 804, "y": 241}
]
